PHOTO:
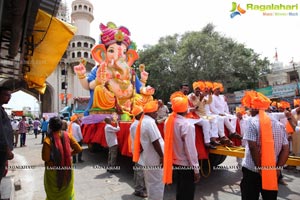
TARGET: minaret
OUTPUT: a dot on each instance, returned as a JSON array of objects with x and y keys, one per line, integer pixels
[
  {"x": 81, "y": 44},
  {"x": 82, "y": 16},
  {"x": 63, "y": 12},
  {"x": 64, "y": 81}
]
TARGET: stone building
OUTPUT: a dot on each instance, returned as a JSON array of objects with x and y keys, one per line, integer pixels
[
  {"x": 281, "y": 74},
  {"x": 63, "y": 83}
]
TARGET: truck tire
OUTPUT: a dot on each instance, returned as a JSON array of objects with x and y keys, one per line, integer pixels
[
  {"x": 94, "y": 147},
  {"x": 216, "y": 159}
]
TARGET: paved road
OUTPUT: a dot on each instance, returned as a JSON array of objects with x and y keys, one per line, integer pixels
[{"x": 93, "y": 183}]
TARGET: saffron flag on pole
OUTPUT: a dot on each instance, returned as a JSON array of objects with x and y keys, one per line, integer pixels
[{"x": 276, "y": 55}]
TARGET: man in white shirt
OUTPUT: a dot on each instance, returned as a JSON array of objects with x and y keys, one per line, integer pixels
[
  {"x": 293, "y": 120},
  {"x": 152, "y": 146},
  {"x": 197, "y": 103},
  {"x": 180, "y": 150},
  {"x": 217, "y": 122},
  {"x": 243, "y": 118},
  {"x": 77, "y": 134},
  {"x": 138, "y": 176},
  {"x": 219, "y": 107},
  {"x": 280, "y": 116},
  {"x": 112, "y": 143},
  {"x": 296, "y": 137},
  {"x": 162, "y": 112},
  {"x": 15, "y": 127}
]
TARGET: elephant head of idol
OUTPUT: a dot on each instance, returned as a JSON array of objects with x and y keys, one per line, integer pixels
[{"x": 116, "y": 50}]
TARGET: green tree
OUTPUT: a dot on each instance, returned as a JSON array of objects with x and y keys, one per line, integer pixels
[
  {"x": 202, "y": 55},
  {"x": 29, "y": 115},
  {"x": 159, "y": 60}
]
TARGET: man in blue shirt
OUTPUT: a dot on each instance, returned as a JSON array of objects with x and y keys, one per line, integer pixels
[{"x": 44, "y": 129}]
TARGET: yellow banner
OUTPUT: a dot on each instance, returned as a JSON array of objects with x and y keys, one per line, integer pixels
[{"x": 51, "y": 37}]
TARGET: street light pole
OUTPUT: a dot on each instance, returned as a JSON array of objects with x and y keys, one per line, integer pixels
[
  {"x": 40, "y": 106},
  {"x": 66, "y": 85}
]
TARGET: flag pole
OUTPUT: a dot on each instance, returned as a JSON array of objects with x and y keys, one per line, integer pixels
[{"x": 276, "y": 55}]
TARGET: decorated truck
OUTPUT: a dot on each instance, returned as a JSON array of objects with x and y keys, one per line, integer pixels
[
  {"x": 115, "y": 87},
  {"x": 78, "y": 107}
]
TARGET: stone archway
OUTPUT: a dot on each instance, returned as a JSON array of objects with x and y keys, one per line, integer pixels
[
  {"x": 46, "y": 98},
  {"x": 47, "y": 104}
]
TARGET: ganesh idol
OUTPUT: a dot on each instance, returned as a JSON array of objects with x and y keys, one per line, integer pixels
[{"x": 113, "y": 83}]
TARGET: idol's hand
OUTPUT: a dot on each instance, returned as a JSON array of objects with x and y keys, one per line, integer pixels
[
  {"x": 101, "y": 75},
  {"x": 80, "y": 69},
  {"x": 147, "y": 90},
  {"x": 144, "y": 74}
]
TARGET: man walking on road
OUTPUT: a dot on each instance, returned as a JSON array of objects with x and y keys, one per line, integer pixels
[
  {"x": 44, "y": 129},
  {"x": 75, "y": 130},
  {"x": 36, "y": 125},
  {"x": 15, "y": 127},
  {"x": 23, "y": 131}
]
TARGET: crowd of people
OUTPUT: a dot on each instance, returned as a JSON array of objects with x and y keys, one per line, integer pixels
[
  {"x": 60, "y": 142},
  {"x": 156, "y": 158},
  {"x": 266, "y": 131}
]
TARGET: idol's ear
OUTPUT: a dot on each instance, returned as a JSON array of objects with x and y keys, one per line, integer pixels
[
  {"x": 99, "y": 53},
  {"x": 131, "y": 56}
]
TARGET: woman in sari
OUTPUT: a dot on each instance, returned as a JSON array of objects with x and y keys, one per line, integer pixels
[{"x": 58, "y": 147}]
